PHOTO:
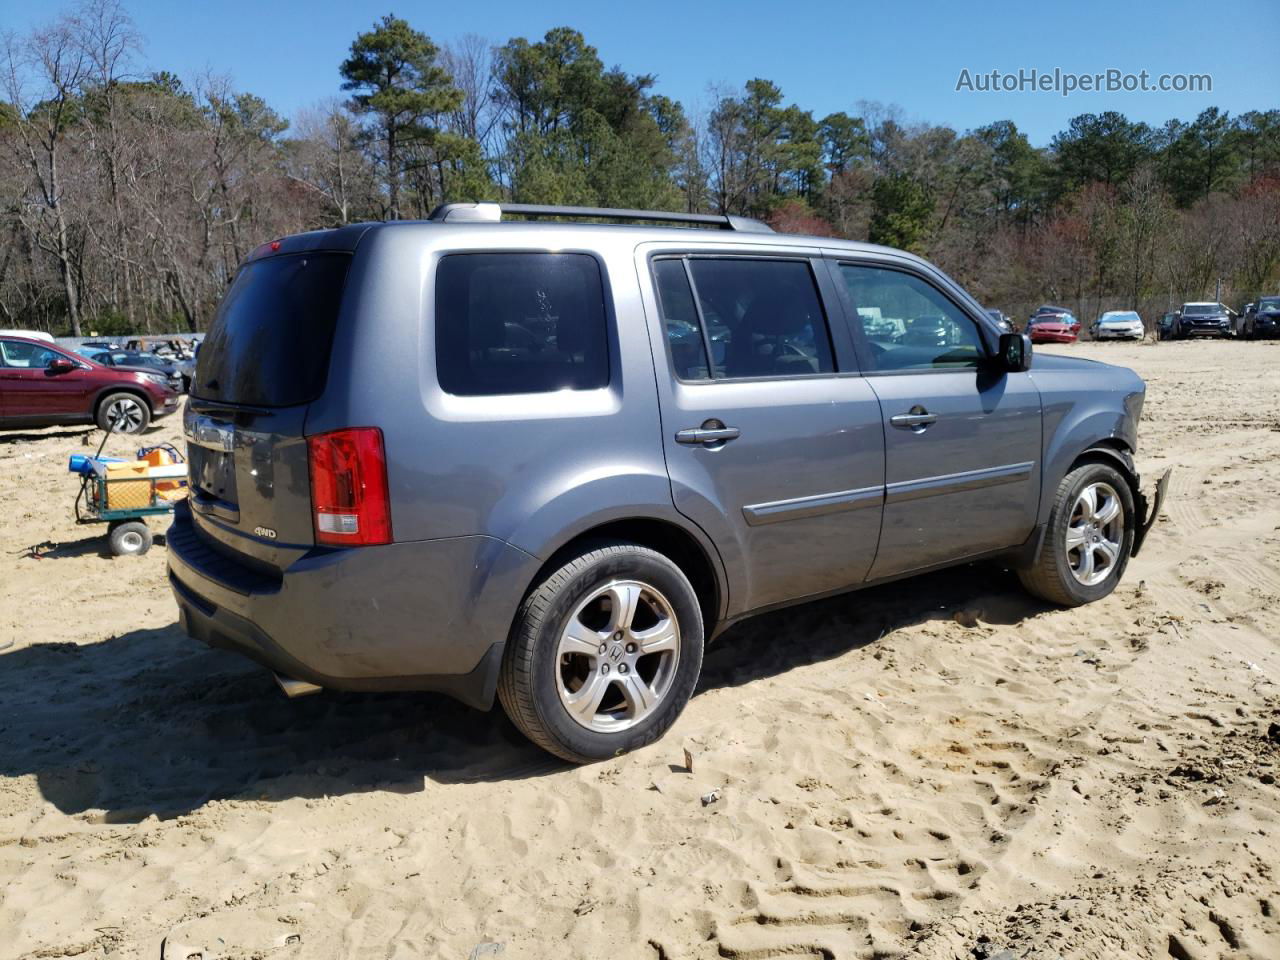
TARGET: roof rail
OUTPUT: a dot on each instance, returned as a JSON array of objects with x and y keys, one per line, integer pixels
[{"x": 492, "y": 213}]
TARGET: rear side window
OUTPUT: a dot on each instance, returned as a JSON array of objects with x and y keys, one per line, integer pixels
[
  {"x": 754, "y": 318},
  {"x": 520, "y": 323},
  {"x": 270, "y": 342},
  {"x": 15, "y": 353}
]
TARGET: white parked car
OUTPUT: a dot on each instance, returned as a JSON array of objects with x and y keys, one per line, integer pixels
[
  {"x": 1119, "y": 325},
  {"x": 29, "y": 334}
]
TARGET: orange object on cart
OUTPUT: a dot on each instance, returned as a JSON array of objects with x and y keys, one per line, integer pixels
[{"x": 160, "y": 457}]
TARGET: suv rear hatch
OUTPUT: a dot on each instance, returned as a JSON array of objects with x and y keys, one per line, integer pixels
[{"x": 265, "y": 359}]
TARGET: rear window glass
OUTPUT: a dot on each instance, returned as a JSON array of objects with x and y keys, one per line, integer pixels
[
  {"x": 520, "y": 323},
  {"x": 270, "y": 342},
  {"x": 758, "y": 318}
]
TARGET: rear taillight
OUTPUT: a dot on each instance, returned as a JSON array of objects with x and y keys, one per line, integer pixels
[{"x": 349, "y": 500}]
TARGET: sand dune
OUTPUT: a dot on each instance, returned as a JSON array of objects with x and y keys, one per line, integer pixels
[{"x": 937, "y": 768}]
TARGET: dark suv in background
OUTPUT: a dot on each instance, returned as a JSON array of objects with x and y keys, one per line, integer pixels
[
  {"x": 547, "y": 462},
  {"x": 42, "y": 385},
  {"x": 1204, "y": 319},
  {"x": 1261, "y": 319}
]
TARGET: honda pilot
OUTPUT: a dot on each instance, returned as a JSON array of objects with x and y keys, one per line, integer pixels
[{"x": 545, "y": 463}]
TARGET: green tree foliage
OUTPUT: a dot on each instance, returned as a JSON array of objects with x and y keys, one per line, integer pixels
[
  {"x": 396, "y": 82},
  {"x": 902, "y": 210},
  {"x": 1099, "y": 148},
  {"x": 577, "y": 133}
]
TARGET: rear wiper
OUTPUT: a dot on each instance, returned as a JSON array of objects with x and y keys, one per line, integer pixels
[{"x": 200, "y": 403}]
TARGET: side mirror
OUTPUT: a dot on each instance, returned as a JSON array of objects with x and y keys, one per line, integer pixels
[
  {"x": 1015, "y": 352},
  {"x": 61, "y": 365}
]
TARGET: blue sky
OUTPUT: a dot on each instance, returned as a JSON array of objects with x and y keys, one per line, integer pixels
[{"x": 825, "y": 56}]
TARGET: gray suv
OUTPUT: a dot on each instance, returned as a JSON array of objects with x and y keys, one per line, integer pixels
[{"x": 548, "y": 461}]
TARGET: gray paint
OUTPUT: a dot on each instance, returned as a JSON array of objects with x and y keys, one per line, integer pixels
[{"x": 818, "y": 493}]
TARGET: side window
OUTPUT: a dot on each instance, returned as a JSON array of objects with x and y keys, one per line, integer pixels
[
  {"x": 907, "y": 323},
  {"x": 758, "y": 318},
  {"x": 15, "y": 353},
  {"x": 680, "y": 319},
  {"x": 520, "y": 323}
]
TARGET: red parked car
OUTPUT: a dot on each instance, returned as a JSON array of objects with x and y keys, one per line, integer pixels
[
  {"x": 1053, "y": 325},
  {"x": 42, "y": 384}
]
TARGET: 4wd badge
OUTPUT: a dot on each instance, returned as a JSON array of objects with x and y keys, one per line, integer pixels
[{"x": 265, "y": 532}]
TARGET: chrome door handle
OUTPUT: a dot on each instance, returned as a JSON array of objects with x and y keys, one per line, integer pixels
[
  {"x": 917, "y": 420},
  {"x": 708, "y": 435}
]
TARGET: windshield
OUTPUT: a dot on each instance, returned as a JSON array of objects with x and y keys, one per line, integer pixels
[
  {"x": 1269, "y": 303},
  {"x": 1123, "y": 317},
  {"x": 270, "y": 342},
  {"x": 1201, "y": 309},
  {"x": 136, "y": 360}
]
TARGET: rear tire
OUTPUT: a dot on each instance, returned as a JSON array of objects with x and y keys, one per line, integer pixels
[
  {"x": 123, "y": 413},
  {"x": 604, "y": 653},
  {"x": 130, "y": 538},
  {"x": 1088, "y": 539}
]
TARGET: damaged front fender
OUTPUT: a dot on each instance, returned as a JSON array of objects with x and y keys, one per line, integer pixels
[{"x": 1147, "y": 517}]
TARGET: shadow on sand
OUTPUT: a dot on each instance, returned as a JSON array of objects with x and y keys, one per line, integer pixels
[{"x": 153, "y": 723}]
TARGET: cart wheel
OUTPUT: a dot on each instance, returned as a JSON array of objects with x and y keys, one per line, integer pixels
[{"x": 130, "y": 538}]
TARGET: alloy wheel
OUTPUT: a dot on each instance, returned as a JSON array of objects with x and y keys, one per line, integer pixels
[
  {"x": 617, "y": 656},
  {"x": 1095, "y": 534},
  {"x": 125, "y": 415}
]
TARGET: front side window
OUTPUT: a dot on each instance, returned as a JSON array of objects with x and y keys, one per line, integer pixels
[
  {"x": 754, "y": 318},
  {"x": 907, "y": 323},
  {"x": 520, "y": 323}
]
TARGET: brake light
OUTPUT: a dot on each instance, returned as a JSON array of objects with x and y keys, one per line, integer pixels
[{"x": 349, "y": 500}]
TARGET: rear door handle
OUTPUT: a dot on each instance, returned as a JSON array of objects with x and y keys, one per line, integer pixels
[
  {"x": 709, "y": 434},
  {"x": 917, "y": 420}
]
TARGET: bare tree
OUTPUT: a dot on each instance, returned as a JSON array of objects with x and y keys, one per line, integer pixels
[
  {"x": 109, "y": 40},
  {"x": 469, "y": 61},
  {"x": 325, "y": 158},
  {"x": 56, "y": 58}
]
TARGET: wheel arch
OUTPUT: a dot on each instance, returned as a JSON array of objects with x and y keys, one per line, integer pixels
[
  {"x": 695, "y": 558},
  {"x": 1114, "y": 452}
]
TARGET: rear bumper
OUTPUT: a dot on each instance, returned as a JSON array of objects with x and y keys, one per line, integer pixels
[{"x": 427, "y": 615}]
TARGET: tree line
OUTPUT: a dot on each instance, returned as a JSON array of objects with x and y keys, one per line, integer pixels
[{"x": 128, "y": 199}]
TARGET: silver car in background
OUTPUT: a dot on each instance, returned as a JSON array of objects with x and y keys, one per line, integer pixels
[{"x": 1118, "y": 325}]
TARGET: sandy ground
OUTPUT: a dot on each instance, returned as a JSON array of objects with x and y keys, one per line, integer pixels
[{"x": 937, "y": 768}]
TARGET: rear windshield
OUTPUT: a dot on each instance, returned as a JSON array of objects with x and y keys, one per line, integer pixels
[{"x": 269, "y": 344}]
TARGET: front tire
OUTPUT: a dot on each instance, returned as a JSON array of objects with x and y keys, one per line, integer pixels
[
  {"x": 604, "y": 654},
  {"x": 1089, "y": 538},
  {"x": 123, "y": 413}
]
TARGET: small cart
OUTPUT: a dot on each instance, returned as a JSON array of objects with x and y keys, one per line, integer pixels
[{"x": 120, "y": 493}]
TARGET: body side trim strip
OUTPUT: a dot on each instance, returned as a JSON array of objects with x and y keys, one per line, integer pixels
[
  {"x": 819, "y": 505},
  {"x": 905, "y": 490}
]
